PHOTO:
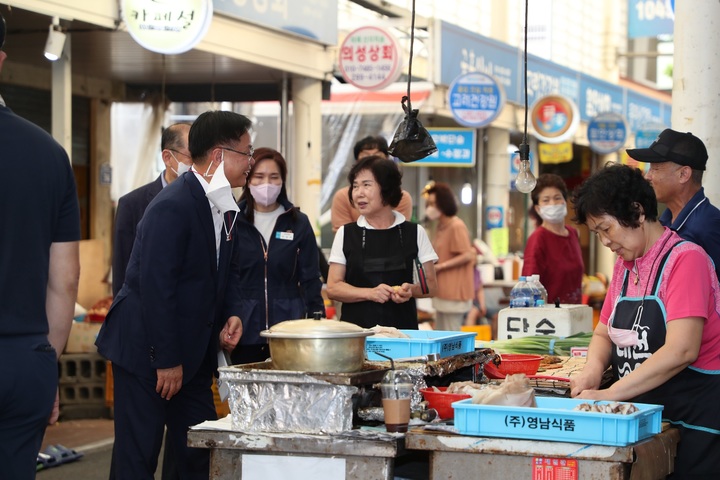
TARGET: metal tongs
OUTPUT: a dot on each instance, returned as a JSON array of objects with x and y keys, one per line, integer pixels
[{"x": 430, "y": 357}]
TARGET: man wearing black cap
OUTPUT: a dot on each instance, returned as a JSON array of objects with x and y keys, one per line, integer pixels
[
  {"x": 677, "y": 162},
  {"x": 39, "y": 272}
]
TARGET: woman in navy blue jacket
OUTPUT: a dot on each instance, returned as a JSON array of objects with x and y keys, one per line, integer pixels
[{"x": 280, "y": 278}]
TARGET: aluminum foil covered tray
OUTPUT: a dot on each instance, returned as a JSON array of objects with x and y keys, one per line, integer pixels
[{"x": 266, "y": 400}]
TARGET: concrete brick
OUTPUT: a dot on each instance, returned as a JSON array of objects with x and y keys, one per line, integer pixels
[
  {"x": 82, "y": 393},
  {"x": 81, "y": 368}
]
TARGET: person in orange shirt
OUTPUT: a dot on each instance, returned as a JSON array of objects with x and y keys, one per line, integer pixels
[
  {"x": 341, "y": 211},
  {"x": 456, "y": 259}
]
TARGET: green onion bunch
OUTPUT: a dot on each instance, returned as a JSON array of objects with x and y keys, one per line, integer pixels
[{"x": 539, "y": 344}]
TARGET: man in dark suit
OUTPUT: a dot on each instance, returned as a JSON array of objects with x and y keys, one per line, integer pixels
[
  {"x": 130, "y": 209},
  {"x": 171, "y": 316},
  {"x": 131, "y": 206}
]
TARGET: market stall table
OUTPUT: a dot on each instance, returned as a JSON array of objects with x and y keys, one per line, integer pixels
[
  {"x": 353, "y": 455},
  {"x": 460, "y": 456}
]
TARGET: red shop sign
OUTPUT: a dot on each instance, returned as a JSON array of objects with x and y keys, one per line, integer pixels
[{"x": 370, "y": 58}]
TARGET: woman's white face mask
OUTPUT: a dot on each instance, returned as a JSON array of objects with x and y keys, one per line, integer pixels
[
  {"x": 432, "y": 212},
  {"x": 553, "y": 213}
]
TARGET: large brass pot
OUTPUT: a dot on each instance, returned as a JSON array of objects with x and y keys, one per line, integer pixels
[{"x": 317, "y": 346}]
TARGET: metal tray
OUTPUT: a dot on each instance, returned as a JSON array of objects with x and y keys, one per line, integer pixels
[{"x": 372, "y": 372}]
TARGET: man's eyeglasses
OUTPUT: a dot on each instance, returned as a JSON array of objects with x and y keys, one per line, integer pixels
[
  {"x": 249, "y": 153},
  {"x": 177, "y": 151}
]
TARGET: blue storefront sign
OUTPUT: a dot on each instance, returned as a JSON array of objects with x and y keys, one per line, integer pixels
[
  {"x": 463, "y": 51},
  {"x": 607, "y": 133},
  {"x": 647, "y": 135},
  {"x": 650, "y": 18},
  {"x": 475, "y": 99},
  {"x": 642, "y": 110},
  {"x": 494, "y": 216},
  {"x": 598, "y": 96},
  {"x": 315, "y": 19},
  {"x": 515, "y": 163},
  {"x": 456, "y": 148}
]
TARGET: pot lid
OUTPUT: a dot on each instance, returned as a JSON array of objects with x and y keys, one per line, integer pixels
[{"x": 309, "y": 328}]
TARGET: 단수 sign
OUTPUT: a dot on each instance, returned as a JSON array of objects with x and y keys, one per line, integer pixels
[{"x": 370, "y": 58}]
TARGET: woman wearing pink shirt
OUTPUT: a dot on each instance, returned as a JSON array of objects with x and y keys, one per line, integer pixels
[{"x": 659, "y": 326}]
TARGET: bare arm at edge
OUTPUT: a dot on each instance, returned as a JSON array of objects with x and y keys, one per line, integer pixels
[{"x": 62, "y": 290}]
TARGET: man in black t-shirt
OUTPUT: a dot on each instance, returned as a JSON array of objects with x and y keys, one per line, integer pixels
[{"x": 39, "y": 272}]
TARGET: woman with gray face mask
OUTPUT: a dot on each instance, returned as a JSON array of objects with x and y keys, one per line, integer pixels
[{"x": 553, "y": 249}]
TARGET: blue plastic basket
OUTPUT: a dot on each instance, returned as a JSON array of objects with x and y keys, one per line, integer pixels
[
  {"x": 421, "y": 342},
  {"x": 554, "y": 419}
]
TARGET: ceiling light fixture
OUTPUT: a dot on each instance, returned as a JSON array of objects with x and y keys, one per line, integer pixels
[
  {"x": 55, "y": 41},
  {"x": 525, "y": 181},
  {"x": 466, "y": 193}
]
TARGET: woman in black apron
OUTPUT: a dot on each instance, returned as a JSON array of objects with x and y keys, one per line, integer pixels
[
  {"x": 660, "y": 328},
  {"x": 373, "y": 260}
]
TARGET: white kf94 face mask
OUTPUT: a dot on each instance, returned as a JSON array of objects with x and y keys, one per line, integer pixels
[
  {"x": 181, "y": 167},
  {"x": 553, "y": 213},
  {"x": 220, "y": 192}
]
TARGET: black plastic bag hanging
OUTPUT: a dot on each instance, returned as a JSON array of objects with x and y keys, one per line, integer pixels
[{"x": 411, "y": 141}]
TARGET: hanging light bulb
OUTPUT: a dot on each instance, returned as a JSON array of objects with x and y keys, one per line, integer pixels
[
  {"x": 525, "y": 181},
  {"x": 466, "y": 194}
]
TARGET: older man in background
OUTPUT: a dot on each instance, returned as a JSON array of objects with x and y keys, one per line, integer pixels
[
  {"x": 677, "y": 162},
  {"x": 131, "y": 206}
]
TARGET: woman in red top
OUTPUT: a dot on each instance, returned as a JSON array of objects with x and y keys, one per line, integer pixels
[{"x": 553, "y": 249}]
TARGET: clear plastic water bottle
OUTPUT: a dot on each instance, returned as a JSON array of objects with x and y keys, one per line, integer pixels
[
  {"x": 521, "y": 294},
  {"x": 543, "y": 292},
  {"x": 537, "y": 295}
]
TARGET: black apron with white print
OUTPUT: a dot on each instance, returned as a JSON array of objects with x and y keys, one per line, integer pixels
[
  {"x": 689, "y": 398},
  {"x": 380, "y": 256}
]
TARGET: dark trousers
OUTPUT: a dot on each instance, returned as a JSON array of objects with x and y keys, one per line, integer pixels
[
  {"x": 28, "y": 385},
  {"x": 250, "y": 354},
  {"x": 140, "y": 419}
]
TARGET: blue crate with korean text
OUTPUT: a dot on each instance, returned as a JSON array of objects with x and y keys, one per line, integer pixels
[
  {"x": 554, "y": 419},
  {"x": 421, "y": 342}
]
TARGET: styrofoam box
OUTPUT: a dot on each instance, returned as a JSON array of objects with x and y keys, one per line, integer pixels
[
  {"x": 82, "y": 337},
  {"x": 561, "y": 322},
  {"x": 421, "y": 342},
  {"x": 554, "y": 419}
]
